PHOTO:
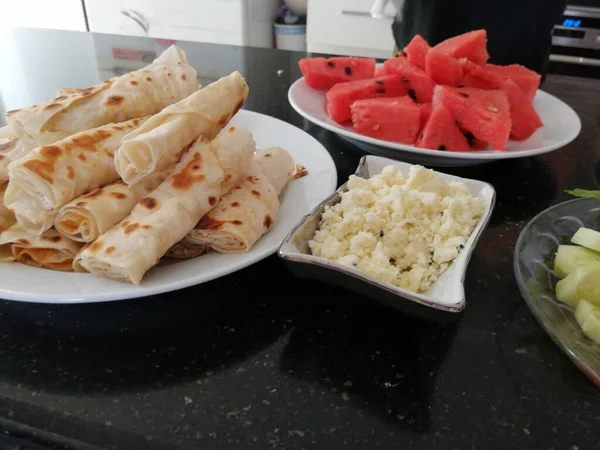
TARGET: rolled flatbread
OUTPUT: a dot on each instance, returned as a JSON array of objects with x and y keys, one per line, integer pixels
[
  {"x": 52, "y": 175},
  {"x": 141, "y": 93},
  {"x": 86, "y": 217},
  {"x": 158, "y": 143},
  {"x": 205, "y": 173},
  {"x": 11, "y": 149},
  {"x": 49, "y": 250},
  {"x": 247, "y": 212},
  {"x": 7, "y": 218}
]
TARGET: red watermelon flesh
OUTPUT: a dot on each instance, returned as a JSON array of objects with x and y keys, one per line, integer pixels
[
  {"x": 442, "y": 68},
  {"x": 485, "y": 113},
  {"x": 390, "y": 119},
  {"x": 416, "y": 51},
  {"x": 525, "y": 120},
  {"x": 324, "y": 73},
  {"x": 426, "y": 109},
  {"x": 442, "y": 133},
  {"x": 478, "y": 77},
  {"x": 420, "y": 84},
  {"x": 474, "y": 143},
  {"x": 469, "y": 45},
  {"x": 527, "y": 80},
  {"x": 342, "y": 95}
]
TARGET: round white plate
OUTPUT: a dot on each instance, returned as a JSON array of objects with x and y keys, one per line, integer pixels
[
  {"x": 29, "y": 284},
  {"x": 561, "y": 126}
]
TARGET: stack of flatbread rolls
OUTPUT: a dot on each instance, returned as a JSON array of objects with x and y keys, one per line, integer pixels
[{"x": 112, "y": 178}]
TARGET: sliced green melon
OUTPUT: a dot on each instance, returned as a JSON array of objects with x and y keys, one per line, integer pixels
[
  {"x": 587, "y": 238},
  {"x": 571, "y": 257},
  {"x": 583, "y": 283},
  {"x": 588, "y": 318}
]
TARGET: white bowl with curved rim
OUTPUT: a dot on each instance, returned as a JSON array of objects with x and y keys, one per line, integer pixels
[{"x": 447, "y": 295}]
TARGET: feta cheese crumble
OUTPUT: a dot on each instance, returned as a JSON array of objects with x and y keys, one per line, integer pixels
[{"x": 403, "y": 231}]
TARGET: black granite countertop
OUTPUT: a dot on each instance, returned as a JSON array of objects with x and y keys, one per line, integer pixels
[{"x": 262, "y": 360}]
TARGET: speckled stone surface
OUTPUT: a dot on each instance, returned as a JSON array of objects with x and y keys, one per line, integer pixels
[{"x": 262, "y": 360}]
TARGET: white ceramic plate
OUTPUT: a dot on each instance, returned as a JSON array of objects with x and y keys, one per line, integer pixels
[
  {"x": 446, "y": 294},
  {"x": 561, "y": 126},
  {"x": 24, "y": 283}
]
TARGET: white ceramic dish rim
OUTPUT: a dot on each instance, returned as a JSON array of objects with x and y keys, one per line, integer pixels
[
  {"x": 490, "y": 155},
  {"x": 82, "y": 287},
  {"x": 289, "y": 251}
]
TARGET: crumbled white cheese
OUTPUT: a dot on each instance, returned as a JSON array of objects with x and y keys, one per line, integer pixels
[{"x": 403, "y": 231}]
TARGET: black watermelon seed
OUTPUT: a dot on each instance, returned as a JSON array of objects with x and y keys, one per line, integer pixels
[
  {"x": 405, "y": 80},
  {"x": 378, "y": 81},
  {"x": 380, "y": 90},
  {"x": 347, "y": 70},
  {"x": 461, "y": 86},
  {"x": 469, "y": 136},
  {"x": 461, "y": 246},
  {"x": 412, "y": 94},
  {"x": 442, "y": 147},
  {"x": 421, "y": 137},
  {"x": 330, "y": 63},
  {"x": 462, "y": 94},
  {"x": 381, "y": 233}
]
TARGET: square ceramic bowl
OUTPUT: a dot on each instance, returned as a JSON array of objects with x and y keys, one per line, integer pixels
[{"x": 447, "y": 295}]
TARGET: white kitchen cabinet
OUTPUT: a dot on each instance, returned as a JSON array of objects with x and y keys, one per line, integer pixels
[
  {"x": 346, "y": 27},
  {"x": 235, "y": 22},
  {"x": 53, "y": 14}
]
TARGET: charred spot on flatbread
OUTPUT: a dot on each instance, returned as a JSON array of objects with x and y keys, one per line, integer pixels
[
  {"x": 268, "y": 221},
  {"x": 95, "y": 246},
  {"x": 82, "y": 157},
  {"x": 208, "y": 223},
  {"x": 70, "y": 172},
  {"x": 118, "y": 195},
  {"x": 110, "y": 249},
  {"x": 114, "y": 100},
  {"x": 235, "y": 204},
  {"x": 212, "y": 201},
  {"x": 131, "y": 228},
  {"x": 185, "y": 179},
  {"x": 255, "y": 193},
  {"x": 148, "y": 202}
]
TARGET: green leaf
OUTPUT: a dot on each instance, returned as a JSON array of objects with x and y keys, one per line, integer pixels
[{"x": 584, "y": 193}]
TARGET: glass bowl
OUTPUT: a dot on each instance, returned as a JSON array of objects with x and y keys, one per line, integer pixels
[{"x": 533, "y": 263}]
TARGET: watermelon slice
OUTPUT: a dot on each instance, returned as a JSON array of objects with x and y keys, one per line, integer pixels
[
  {"x": 341, "y": 96},
  {"x": 442, "y": 68},
  {"x": 478, "y": 77},
  {"x": 469, "y": 45},
  {"x": 525, "y": 120},
  {"x": 442, "y": 133},
  {"x": 426, "y": 109},
  {"x": 485, "y": 113},
  {"x": 420, "y": 84},
  {"x": 324, "y": 73},
  {"x": 416, "y": 51},
  {"x": 527, "y": 80},
  {"x": 390, "y": 119}
]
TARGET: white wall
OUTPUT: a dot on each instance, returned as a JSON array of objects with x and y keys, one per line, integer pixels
[{"x": 55, "y": 14}]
